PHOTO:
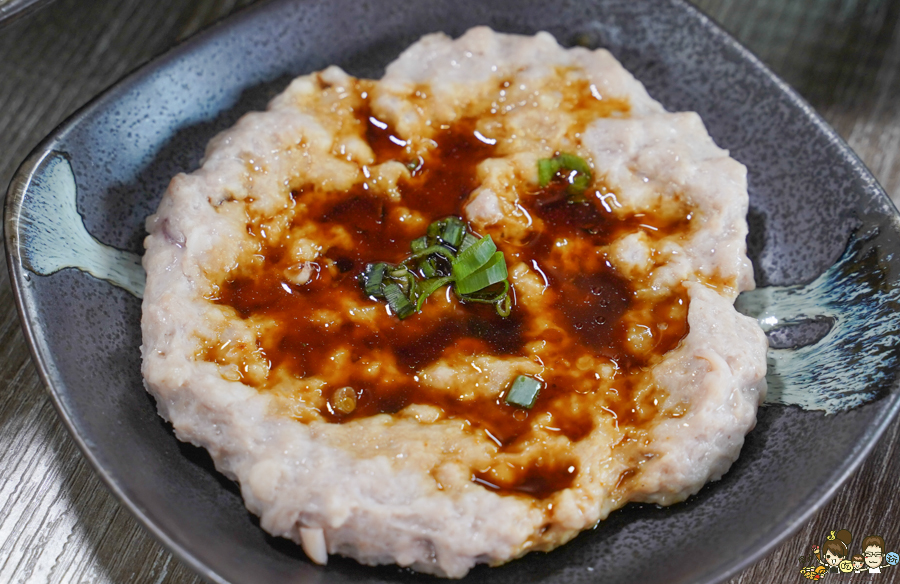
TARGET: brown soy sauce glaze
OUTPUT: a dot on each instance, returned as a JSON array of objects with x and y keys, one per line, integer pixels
[
  {"x": 539, "y": 479},
  {"x": 385, "y": 144},
  {"x": 591, "y": 303},
  {"x": 302, "y": 347}
]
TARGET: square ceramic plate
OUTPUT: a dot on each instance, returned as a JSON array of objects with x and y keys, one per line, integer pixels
[{"x": 808, "y": 194}]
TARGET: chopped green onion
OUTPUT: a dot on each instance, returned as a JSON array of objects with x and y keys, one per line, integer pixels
[
  {"x": 432, "y": 249},
  {"x": 428, "y": 267},
  {"x": 524, "y": 392},
  {"x": 399, "y": 303},
  {"x": 447, "y": 254},
  {"x": 575, "y": 163},
  {"x": 493, "y": 271},
  {"x": 468, "y": 241},
  {"x": 578, "y": 179},
  {"x": 453, "y": 231},
  {"x": 405, "y": 279},
  {"x": 372, "y": 279},
  {"x": 419, "y": 244},
  {"x": 473, "y": 257},
  {"x": 578, "y": 184},
  {"x": 490, "y": 295},
  {"x": 504, "y": 307},
  {"x": 547, "y": 167},
  {"x": 501, "y": 299}
]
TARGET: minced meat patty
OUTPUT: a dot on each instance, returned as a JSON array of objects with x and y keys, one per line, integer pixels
[{"x": 355, "y": 432}]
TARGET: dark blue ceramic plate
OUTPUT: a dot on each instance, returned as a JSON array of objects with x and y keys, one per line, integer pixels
[
  {"x": 10, "y": 10},
  {"x": 808, "y": 194}
]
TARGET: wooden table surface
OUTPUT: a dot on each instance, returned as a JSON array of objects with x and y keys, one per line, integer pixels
[{"x": 58, "y": 523}]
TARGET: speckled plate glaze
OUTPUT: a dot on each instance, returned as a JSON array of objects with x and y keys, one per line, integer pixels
[
  {"x": 808, "y": 192},
  {"x": 11, "y": 10}
]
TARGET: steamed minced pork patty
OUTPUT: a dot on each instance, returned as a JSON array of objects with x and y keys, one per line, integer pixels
[{"x": 354, "y": 432}]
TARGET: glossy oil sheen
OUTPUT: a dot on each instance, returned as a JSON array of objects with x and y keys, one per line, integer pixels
[{"x": 591, "y": 302}]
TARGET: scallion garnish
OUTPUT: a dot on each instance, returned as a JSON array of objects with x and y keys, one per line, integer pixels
[
  {"x": 373, "y": 278},
  {"x": 473, "y": 257},
  {"x": 547, "y": 168},
  {"x": 576, "y": 163},
  {"x": 453, "y": 231},
  {"x": 430, "y": 250},
  {"x": 447, "y": 254},
  {"x": 397, "y": 300},
  {"x": 428, "y": 266},
  {"x": 504, "y": 305},
  {"x": 487, "y": 275},
  {"x": 574, "y": 170},
  {"x": 468, "y": 241},
  {"x": 490, "y": 295},
  {"x": 524, "y": 392},
  {"x": 405, "y": 279},
  {"x": 419, "y": 244}
]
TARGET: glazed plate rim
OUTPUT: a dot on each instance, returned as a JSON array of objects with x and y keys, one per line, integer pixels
[{"x": 13, "y": 10}]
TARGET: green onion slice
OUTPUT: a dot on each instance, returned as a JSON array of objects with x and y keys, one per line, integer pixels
[
  {"x": 453, "y": 231},
  {"x": 577, "y": 185},
  {"x": 547, "y": 167},
  {"x": 399, "y": 303},
  {"x": 447, "y": 254},
  {"x": 501, "y": 299},
  {"x": 419, "y": 244},
  {"x": 405, "y": 279},
  {"x": 432, "y": 249},
  {"x": 524, "y": 392},
  {"x": 434, "y": 229},
  {"x": 578, "y": 179},
  {"x": 428, "y": 267},
  {"x": 473, "y": 257},
  {"x": 372, "y": 279},
  {"x": 493, "y": 271},
  {"x": 575, "y": 163},
  {"x": 504, "y": 306},
  {"x": 468, "y": 241},
  {"x": 489, "y": 295}
]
